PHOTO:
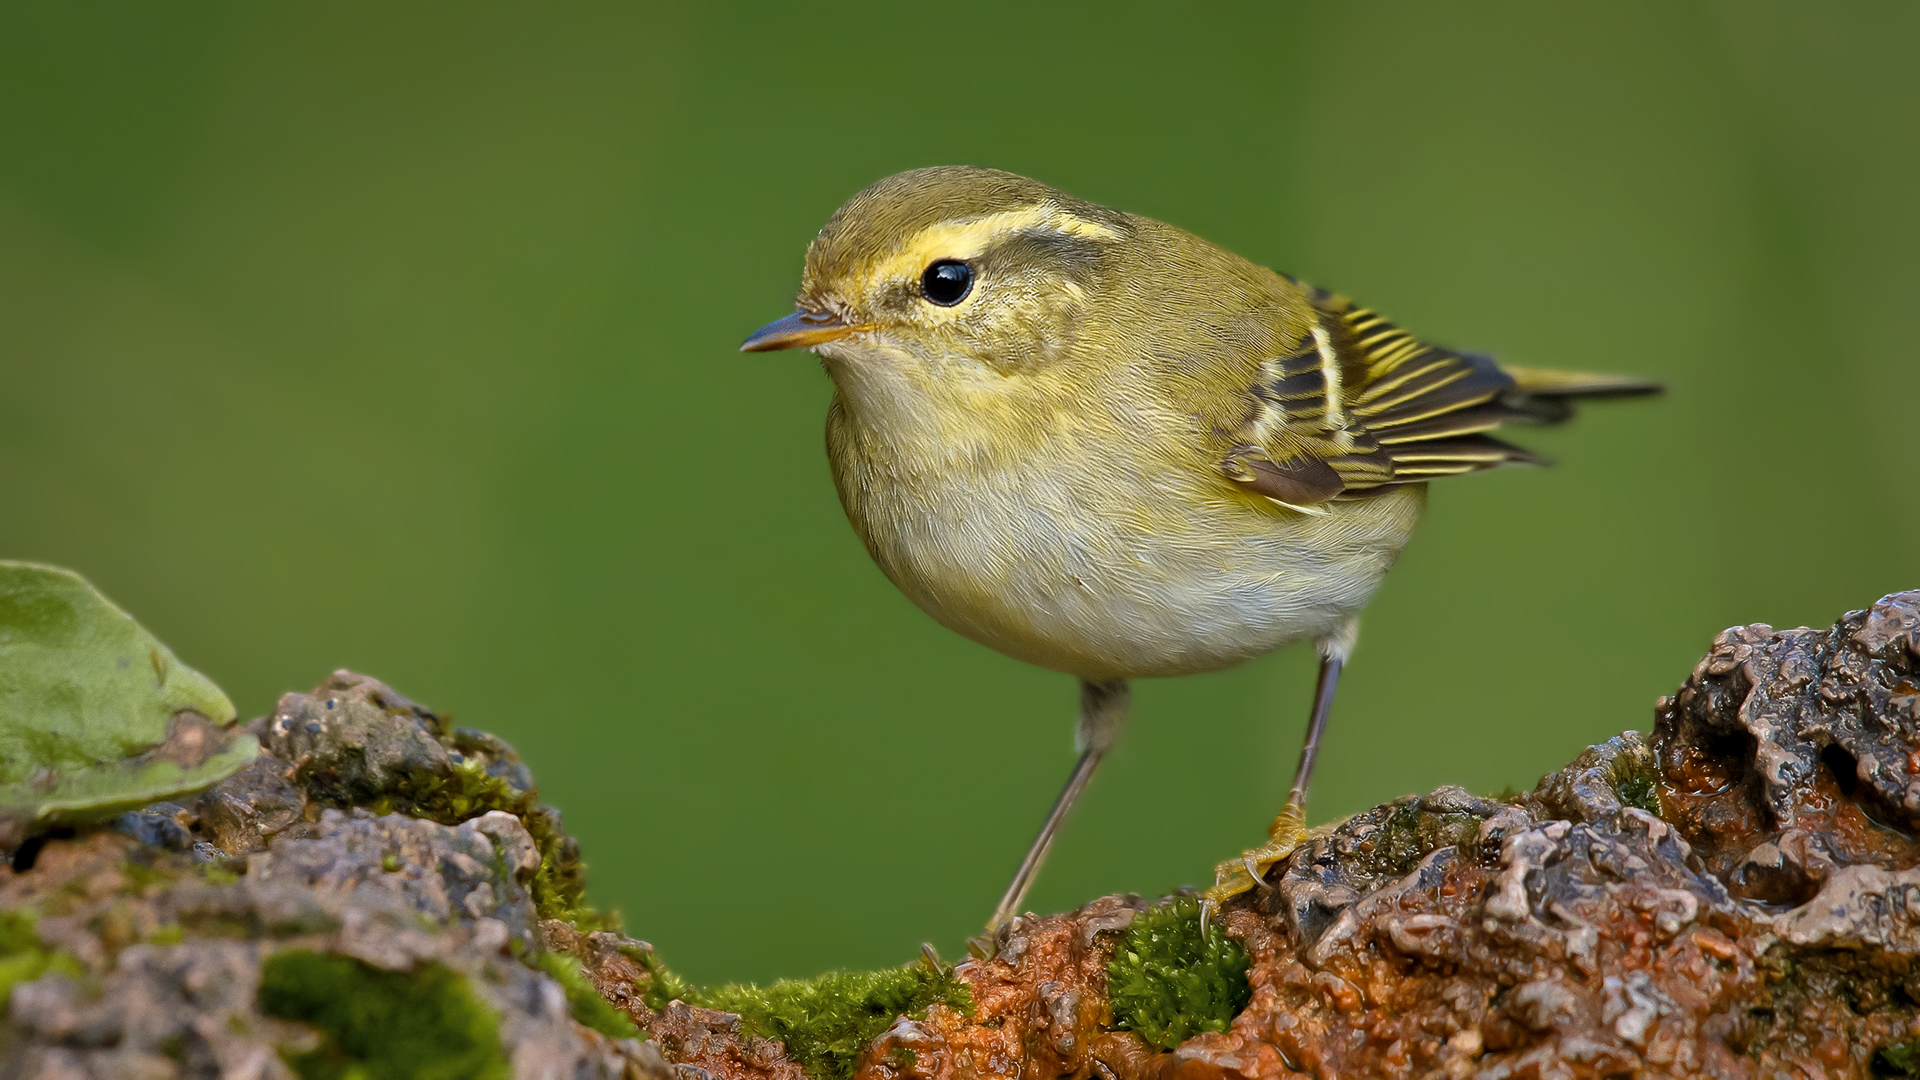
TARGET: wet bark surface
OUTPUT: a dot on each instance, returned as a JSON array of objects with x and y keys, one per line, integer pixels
[{"x": 1735, "y": 894}]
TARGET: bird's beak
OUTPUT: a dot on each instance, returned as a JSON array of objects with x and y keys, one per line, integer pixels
[{"x": 800, "y": 330}]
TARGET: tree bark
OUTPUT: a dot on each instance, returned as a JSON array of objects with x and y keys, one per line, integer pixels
[{"x": 1737, "y": 894}]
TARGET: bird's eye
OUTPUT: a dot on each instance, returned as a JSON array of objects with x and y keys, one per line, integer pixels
[{"x": 947, "y": 282}]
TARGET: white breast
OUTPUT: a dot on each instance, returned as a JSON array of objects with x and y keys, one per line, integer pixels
[{"x": 1060, "y": 573}]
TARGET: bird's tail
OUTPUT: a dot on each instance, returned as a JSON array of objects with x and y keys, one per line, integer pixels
[{"x": 1547, "y": 396}]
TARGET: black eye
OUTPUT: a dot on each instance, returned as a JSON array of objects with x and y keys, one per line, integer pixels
[{"x": 947, "y": 282}]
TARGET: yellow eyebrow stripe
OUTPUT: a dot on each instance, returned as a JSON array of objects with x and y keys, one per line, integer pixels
[
  {"x": 1044, "y": 216},
  {"x": 968, "y": 237}
]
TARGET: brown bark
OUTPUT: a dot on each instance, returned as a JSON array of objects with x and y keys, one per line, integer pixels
[{"x": 1735, "y": 895}]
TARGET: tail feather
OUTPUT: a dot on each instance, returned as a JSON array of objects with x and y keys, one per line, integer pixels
[
  {"x": 1546, "y": 382},
  {"x": 1544, "y": 396},
  {"x": 1425, "y": 410}
]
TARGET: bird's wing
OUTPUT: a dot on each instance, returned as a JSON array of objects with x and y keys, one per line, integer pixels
[{"x": 1357, "y": 404}]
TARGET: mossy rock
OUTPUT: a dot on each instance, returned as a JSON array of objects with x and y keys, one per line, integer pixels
[
  {"x": 24, "y": 958},
  {"x": 423, "y": 1024},
  {"x": 827, "y": 1022},
  {"x": 583, "y": 1001}
]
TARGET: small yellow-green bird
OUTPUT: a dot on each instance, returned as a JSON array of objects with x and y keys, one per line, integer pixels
[{"x": 1103, "y": 445}]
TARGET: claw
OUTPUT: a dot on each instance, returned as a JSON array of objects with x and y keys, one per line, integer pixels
[{"x": 1235, "y": 876}]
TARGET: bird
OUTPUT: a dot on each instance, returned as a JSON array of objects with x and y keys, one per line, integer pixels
[{"x": 1100, "y": 444}]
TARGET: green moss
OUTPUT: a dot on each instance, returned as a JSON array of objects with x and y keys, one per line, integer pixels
[
  {"x": 663, "y": 984},
  {"x": 423, "y": 1024},
  {"x": 218, "y": 873},
  {"x": 1640, "y": 791},
  {"x": 1409, "y": 834},
  {"x": 588, "y": 1007},
  {"x": 1396, "y": 847},
  {"x": 825, "y": 1022},
  {"x": 24, "y": 958},
  {"x": 1635, "y": 775},
  {"x": 468, "y": 791},
  {"x": 828, "y": 1021},
  {"x": 1900, "y": 1059},
  {"x": 1168, "y": 983},
  {"x": 141, "y": 878}
]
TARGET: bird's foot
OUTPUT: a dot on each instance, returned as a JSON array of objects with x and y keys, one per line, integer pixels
[{"x": 1238, "y": 875}]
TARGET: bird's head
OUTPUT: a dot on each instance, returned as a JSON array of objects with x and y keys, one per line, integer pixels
[{"x": 950, "y": 275}]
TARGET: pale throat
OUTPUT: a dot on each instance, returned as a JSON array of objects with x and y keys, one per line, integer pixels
[{"x": 903, "y": 407}]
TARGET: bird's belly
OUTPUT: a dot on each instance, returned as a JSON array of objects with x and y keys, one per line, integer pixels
[{"x": 1065, "y": 582}]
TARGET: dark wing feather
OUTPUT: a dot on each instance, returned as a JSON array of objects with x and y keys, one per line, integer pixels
[{"x": 1359, "y": 404}]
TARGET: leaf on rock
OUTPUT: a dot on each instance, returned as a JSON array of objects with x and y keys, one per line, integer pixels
[{"x": 96, "y": 715}]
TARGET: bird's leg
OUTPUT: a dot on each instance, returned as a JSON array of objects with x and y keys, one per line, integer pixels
[
  {"x": 1322, "y": 705},
  {"x": 1103, "y": 709},
  {"x": 1236, "y": 876}
]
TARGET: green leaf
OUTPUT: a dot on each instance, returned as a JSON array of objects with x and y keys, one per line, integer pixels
[{"x": 96, "y": 715}]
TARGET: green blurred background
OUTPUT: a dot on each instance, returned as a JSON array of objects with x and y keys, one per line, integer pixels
[{"x": 401, "y": 337}]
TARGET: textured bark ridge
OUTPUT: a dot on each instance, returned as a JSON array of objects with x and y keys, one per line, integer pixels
[{"x": 1735, "y": 895}]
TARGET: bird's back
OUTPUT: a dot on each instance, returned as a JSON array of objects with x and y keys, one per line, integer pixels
[{"x": 1303, "y": 396}]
